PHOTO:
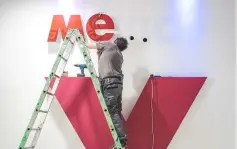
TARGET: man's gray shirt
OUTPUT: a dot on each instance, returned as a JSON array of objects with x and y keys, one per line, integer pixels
[{"x": 110, "y": 60}]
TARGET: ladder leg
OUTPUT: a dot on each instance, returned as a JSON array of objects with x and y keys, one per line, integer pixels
[
  {"x": 72, "y": 36},
  {"x": 47, "y": 94}
]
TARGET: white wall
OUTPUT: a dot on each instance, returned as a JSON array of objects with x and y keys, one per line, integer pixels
[{"x": 183, "y": 39}]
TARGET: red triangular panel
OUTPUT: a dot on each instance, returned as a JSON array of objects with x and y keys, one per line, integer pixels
[
  {"x": 139, "y": 121},
  {"x": 79, "y": 101},
  {"x": 172, "y": 98}
]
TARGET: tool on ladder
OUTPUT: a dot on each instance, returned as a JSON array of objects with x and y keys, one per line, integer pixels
[
  {"x": 42, "y": 108},
  {"x": 82, "y": 67}
]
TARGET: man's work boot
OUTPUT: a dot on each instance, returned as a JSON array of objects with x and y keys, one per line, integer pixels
[{"x": 123, "y": 141}]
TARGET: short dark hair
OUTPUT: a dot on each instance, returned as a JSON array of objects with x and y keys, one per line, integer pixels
[{"x": 121, "y": 43}]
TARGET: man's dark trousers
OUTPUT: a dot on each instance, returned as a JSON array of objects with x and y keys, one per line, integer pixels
[{"x": 112, "y": 88}]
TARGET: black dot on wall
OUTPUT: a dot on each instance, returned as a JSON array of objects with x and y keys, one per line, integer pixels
[
  {"x": 144, "y": 39},
  {"x": 131, "y": 37}
]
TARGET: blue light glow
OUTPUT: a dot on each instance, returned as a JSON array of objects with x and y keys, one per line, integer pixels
[
  {"x": 187, "y": 11},
  {"x": 186, "y": 20}
]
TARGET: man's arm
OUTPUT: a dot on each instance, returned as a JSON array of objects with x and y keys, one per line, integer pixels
[
  {"x": 98, "y": 46},
  {"x": 91, "y": 45}
]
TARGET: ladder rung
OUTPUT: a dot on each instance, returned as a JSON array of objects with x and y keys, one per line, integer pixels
[
  {"x": 49, "y": 93},
  {"x": 42, "y": 111},
  {"x": 71, "y": 41},
  {"x": 31, "y": 147},
  {"x": 55, "y": 75},
  {"x": 35, "y": 129},
  {"x": 63, "y": 58}
]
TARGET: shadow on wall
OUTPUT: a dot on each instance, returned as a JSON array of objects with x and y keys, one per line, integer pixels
[{"x": 139, "y": 79}]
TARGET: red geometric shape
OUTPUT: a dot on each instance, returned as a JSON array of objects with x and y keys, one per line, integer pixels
[
  {"x": 172, "y": 98},
  {"x": 80, "y": 103}
]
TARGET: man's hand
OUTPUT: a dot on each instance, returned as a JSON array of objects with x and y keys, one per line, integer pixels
[{"x": 91, "y": 45}]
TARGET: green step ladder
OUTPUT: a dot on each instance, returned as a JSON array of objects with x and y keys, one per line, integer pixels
[{"x": 42, "y": 108}]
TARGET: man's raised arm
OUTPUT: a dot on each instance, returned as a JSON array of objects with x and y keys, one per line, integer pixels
[
  {"x": 96, "y": 45},
  {"x": 91, "y": 45}
]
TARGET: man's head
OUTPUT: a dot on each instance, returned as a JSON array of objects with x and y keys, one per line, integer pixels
[{"x": 121, "y": 43}]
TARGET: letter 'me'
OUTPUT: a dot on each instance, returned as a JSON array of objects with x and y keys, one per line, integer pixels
[{"x": 75, "y": 22}]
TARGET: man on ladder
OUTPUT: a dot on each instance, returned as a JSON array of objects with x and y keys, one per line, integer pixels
[{"x": 111, "y": 79}]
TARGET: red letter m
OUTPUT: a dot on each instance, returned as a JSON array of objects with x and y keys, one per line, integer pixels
[{"x": 58, "y": 23}]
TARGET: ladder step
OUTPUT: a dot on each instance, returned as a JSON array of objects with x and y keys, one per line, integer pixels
[
  {"x": 34, "y": 129},
  {"x": 63, "y": 58},
  {"x": 71, "y": 41},
  {"x": 48, "y": 93},
  {"x": 41, "y": 111},
  {"x": 55, "y": 75},
  {"x": 31, "y": 147}
]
